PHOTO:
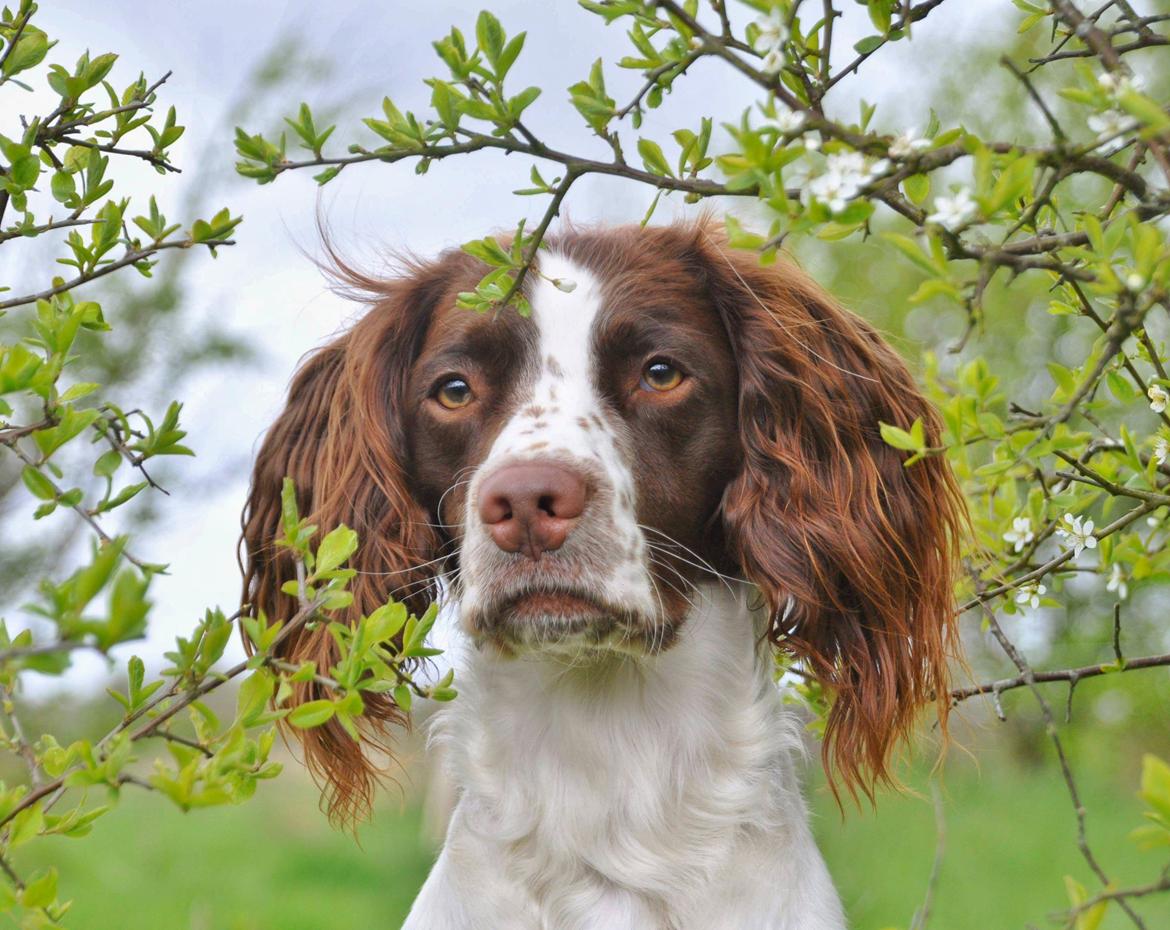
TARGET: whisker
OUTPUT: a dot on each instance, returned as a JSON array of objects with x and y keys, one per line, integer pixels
[
  {"x": 412, "y": 568},
  {"x": 702, "y": 564},
  {"x": 443, "y": 497},
  {"x": 679, "y": 591}
]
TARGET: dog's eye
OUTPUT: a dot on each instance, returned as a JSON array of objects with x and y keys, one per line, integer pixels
[
  {"x": 660, "y": 375},
  {"x": 454, "y": 394}
]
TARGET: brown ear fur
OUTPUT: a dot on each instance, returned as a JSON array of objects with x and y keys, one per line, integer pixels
[
  {"x": 341, "y": 439},
  {"x": 854, "y": 553}
]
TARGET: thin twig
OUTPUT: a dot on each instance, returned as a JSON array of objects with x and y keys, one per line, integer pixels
[
  {"x": 1066, "y": 675},
  {"x": 132, "y": 257}
]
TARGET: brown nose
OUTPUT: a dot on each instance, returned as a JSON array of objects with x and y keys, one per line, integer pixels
[{"x": 530, "y": 507}]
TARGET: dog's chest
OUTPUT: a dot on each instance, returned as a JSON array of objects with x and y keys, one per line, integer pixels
[{"x": 629, "y": 802}]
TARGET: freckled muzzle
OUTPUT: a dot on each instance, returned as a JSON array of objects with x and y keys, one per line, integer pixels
[{"x": 542, "y": 554}]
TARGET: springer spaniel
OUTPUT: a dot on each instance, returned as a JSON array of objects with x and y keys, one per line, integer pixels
[{"x": 632, "y": 493}]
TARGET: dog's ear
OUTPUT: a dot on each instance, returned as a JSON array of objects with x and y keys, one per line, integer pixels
[
  {"x": 854, "y": 552},
  {"x": 341, "y": 439}
]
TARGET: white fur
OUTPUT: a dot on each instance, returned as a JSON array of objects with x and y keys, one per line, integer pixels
[
  {"x": 610, "y": 790},
  {"x": 620, "y": 793}
]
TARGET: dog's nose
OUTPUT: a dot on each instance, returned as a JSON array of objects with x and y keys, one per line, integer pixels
[{"x": 531, "y": 507}]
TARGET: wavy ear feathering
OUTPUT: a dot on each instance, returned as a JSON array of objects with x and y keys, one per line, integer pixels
[
  {"x": 342, "y": 440},
  {"x": 854, "y": 553}
]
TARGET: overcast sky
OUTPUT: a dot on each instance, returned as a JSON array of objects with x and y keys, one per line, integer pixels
[{"x": 267, "y": 290}]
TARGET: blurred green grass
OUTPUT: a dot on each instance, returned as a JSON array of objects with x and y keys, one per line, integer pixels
[
  {"x": 1010, "y": 839},
  {"x": 275, "y": 864}
]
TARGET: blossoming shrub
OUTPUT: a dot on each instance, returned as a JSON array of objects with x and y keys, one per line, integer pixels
[
  {"x": 78, "y": 453},
  {"x": 1064, "y": 457}
]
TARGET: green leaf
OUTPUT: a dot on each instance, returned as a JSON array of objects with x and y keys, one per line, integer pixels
[
  {"x": 63, "y": 187},
  {"x": 1120, "y": 387},
  {"x": 653, "y": 158},
  {"x": 290, "y": 517},
  {"x": 29, "y": 51},
  {"x": 41, "y": 891},
  {"x": 1146, "y": 110},
  {"x": 900, "y": 438},
  {"x": 917, "y": 188},
  {"x": 26, "y": 825},
  {"x": 25, "y": 171},
  {"x": 335, "y": 548},
  {"x": 107, "y": 463},
  {"x": 311, "y": 714},
  {"x": 912, "y": 251},
  {"x": 869, "y": 44},
  {"x": 880, "y": 15},
  {"x": 508, "y": 56},
  {"x": 38, "y": 484},
  {"x": 489, "y": 34},
  {"x": 522, "y": 101},
  {"x": 1156, "y": 784}
]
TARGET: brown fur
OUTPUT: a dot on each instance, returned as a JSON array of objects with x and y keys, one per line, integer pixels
[{"x": 809, "y": 503}]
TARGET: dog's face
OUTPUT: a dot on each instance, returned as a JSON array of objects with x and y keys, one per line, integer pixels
[
  {"x": 669, "y": 410},
  {"x": 576, "y": 458}
]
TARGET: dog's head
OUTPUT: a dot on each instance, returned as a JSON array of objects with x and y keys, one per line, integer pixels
[{"x": 670, "y": 410}]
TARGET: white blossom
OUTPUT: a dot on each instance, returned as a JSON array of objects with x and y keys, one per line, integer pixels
[
  {"x": 789, "y": 121},
  {"x": 1134, "y": 281},
  {"x": 1020, "y": 534},
  {"x": 1159, "y": 398},
  {"x": 773, "y": 61},
  {"x": 907, "y": 143},
  {"x": 955, "y": 212},
  {"x": 1111, "y": 125},
  {"x": 1117, "y": 582},
  {"x": 1117, "y": 84},
  {"x": 811, "y": 141},
  {"x": 846, "y": 173},
  {"x": 1030, "y": 594},
  {"x": 1079, "y": 533},
  {"x": 770, "y": 38},
  {"x": 1161, "y": 450}
]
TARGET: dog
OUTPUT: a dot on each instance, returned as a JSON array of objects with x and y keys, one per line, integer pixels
[{"x": 638, "y": 492}]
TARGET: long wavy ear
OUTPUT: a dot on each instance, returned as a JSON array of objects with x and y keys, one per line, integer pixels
[
  {"x": 854, "y": 552},
  {"x": 341, "y": 439}
]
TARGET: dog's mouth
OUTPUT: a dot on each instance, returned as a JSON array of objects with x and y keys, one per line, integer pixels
[
  {"x": 552, "y": 603},
  {"x": 563, "y": 617}
]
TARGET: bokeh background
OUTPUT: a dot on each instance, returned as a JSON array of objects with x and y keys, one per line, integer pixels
[{"x": 225, "y": 336}]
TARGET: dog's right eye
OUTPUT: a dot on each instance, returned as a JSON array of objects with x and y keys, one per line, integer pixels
[{"x": 454, "y": 393}]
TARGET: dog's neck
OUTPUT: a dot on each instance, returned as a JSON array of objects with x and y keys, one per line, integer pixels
[{"x": 642, "y": 778}]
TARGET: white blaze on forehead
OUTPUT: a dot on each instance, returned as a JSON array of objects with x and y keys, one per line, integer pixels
[
  {"x": 563, "y": 413},
  {"x": 563, "y": 417}
]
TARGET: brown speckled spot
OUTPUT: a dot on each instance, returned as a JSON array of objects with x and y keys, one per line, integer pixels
[
  {"x": 534, "y": 411},
  {"x": 596, "y": 421},
  {"x": 583, "y": 423},
  {"x": 552, "y": 393},
  {"x": 540, "y": 424},
  {"x": 537, "y": 445},
  {"x": 554, "y": 367}
]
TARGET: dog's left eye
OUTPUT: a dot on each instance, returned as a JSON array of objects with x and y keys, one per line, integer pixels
[
  {"x": 660, "y": 375},
  {"x": 454, "y": 394}
]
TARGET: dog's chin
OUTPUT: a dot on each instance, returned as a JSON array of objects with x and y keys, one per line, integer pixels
[{"x": 569, "y": 622}]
